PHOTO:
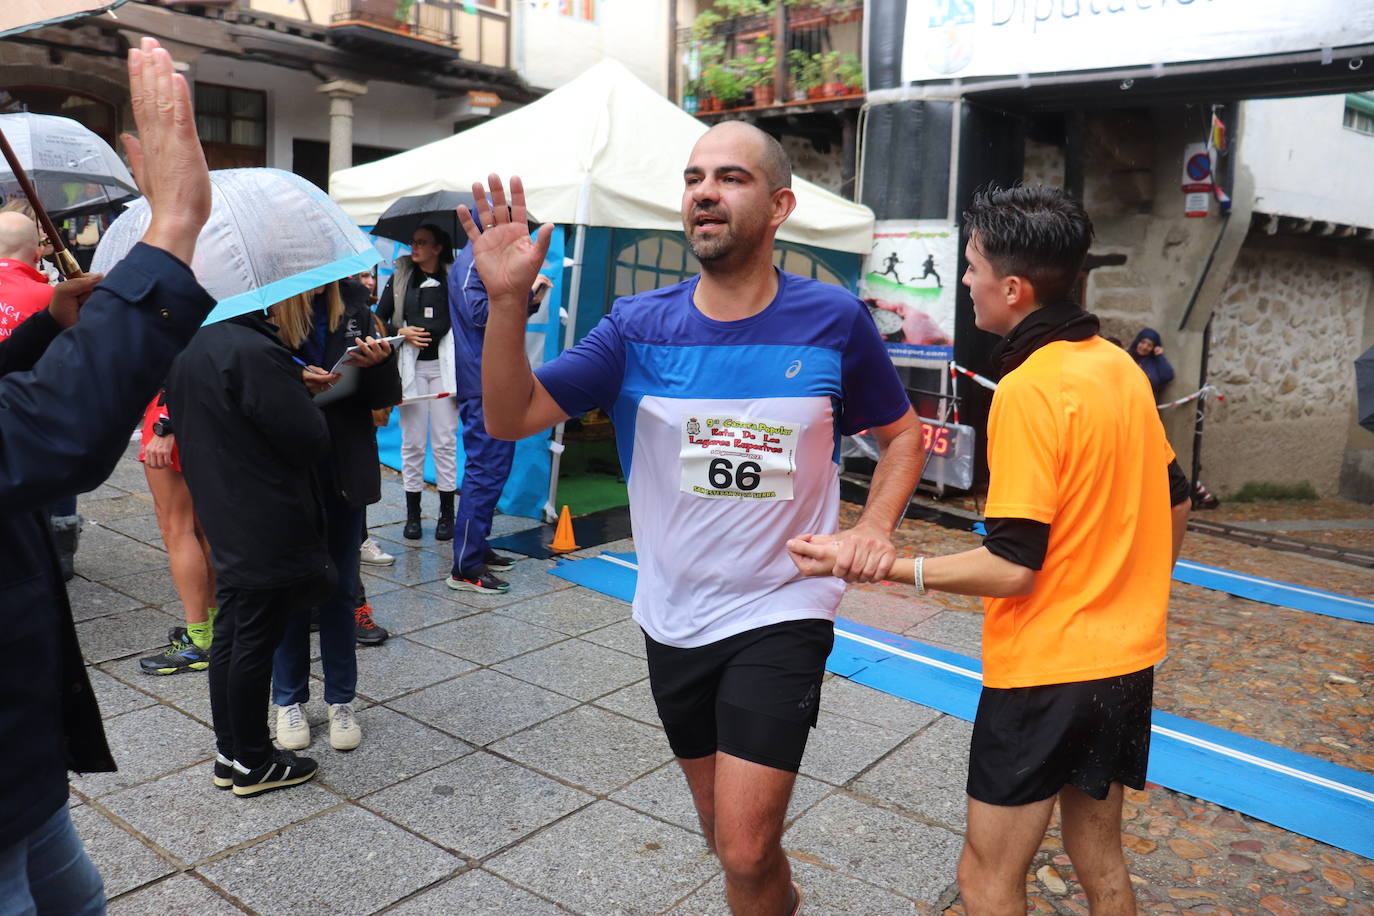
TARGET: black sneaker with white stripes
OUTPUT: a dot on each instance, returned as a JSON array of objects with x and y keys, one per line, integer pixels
[
  {"x": 224, "y": 772},
  {"x": 282, "y": 770}
]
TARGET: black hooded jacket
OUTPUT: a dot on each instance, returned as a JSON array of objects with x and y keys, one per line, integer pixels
[{"x": 250, "y": 440}]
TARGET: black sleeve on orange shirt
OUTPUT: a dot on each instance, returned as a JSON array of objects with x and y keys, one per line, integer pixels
[
  {"x": 1022, "y": 541},
  {"x": 1179, "y": 490}
]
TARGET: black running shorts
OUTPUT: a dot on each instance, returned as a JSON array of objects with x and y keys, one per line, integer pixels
[
  {"x": 1030, "y": 742},
  {"x": 753, "y": 695}
]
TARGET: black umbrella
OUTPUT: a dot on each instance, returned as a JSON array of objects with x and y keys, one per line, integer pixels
[
  {"x": 1364, "y": 387},
  {"x": 402, "y": 218}
]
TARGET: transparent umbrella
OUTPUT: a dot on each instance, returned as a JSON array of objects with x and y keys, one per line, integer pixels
[
  {"x": 271, "y": 235},
  {"x": 72, "y": 169}
]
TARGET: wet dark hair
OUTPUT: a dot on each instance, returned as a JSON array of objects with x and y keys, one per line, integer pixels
[
  {"x": 444, "y": 240},
  {"x": 1035, "y": 232}
]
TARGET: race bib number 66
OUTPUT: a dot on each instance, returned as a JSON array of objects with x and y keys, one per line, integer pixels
[{"x": 738, "y": 457}]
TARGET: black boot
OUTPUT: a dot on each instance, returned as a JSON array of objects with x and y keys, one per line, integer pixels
[
  {"x": 66, "y": 530},
  {"x": 443, "y": 531},
  {"x": 412, "y": 528}
]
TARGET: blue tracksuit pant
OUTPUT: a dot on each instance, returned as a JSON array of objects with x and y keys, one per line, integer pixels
[{"x": 487, "y": 463}]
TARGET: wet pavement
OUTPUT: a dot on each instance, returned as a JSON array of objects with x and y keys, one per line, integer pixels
[{"x": 512, "y": 762}]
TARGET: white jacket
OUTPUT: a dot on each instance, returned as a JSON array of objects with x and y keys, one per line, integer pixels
[{"x": 393, "y": 313}]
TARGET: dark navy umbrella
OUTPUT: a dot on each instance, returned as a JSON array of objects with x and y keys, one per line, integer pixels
[
  {"x": 402, "y": 218},
  {"x": 1364, "y": 387}
]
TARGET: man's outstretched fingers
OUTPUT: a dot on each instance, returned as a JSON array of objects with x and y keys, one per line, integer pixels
[
  {"x": 479, "y": 198},
  {"x": 499, "y": 213},
  {"x": 468, "y": 223},
  {"x": 517, "y": 200}
]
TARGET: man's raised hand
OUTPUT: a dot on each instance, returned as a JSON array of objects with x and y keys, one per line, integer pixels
[
  {"x": 507, "y": 259},
  {"x": 166, "y": 157}
]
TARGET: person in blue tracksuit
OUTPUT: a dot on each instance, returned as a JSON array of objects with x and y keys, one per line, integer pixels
[
  {"x": 68, "y": 399},
  {"x": 487, "y": 460}
]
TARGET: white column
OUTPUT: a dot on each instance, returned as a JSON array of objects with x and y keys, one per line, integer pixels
[{"x": 341, "y": 95}]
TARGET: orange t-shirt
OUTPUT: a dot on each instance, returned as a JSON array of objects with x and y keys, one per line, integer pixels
[{"x": 1074, "y": 441}]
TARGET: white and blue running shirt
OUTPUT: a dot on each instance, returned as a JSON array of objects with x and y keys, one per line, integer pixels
[{"x": 729, "y": 435}]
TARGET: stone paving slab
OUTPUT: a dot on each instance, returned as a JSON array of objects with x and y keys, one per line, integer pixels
[
  {"x": 624, "y": 635},
  {"x": 478, "y": 804},
  {"x": 577, "y": 612},
  {"x": 141, "y": 631},
  {"x": 840, "y": 749},
  {"x": 114, "y": 696},
  {"x": 406, "y": 610},
  {"x": 487, "y": 637},
  {"x": 483, "y": 706},
  {"x": 477, "y": 893},
  {"x": 151, "y": 587},
  {"x": 578, "y": 669},
  {"x": 91, "y": 599},
  {"x": 394, "y": 748},
  {"x": 222, "y": 821},
  {"x": 635, "y": 701},
  {"x": 926, "y": 776},
  {"x": 528, "y": 578},
  {"x": 413, "y": 567},
  {"x": 609, "y": 860},
  {"x": 142, "y": 528},
  {"x": 878, "y": 846},
  {"x": 346, "y": 861},
  {"x": 187, "y": 692},
  {"x": 400, "y": 666},
  {"x": 614, "y": 749},
  {"x": 179, "y": 894},
  {"x": 957, "y": 631},
  {"x": 845, "y": 698},
  {"x": 147, "y": 743},
  {"x": 123, "y": 860}
]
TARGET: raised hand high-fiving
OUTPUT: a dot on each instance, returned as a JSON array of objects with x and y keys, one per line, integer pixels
[{"x": 507, "y": 258}]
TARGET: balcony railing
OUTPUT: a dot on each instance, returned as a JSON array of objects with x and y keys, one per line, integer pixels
[
  {"x": 478, "y": 32},
  {"x": 769, "y": 53}
]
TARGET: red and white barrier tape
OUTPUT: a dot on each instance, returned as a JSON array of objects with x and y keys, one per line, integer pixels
[
  {"x": 428, "y": 397},
  {"x": 1202, "y": 392}
]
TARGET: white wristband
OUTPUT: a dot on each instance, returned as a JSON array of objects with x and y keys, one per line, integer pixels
[{"x": 920, "y": 575}]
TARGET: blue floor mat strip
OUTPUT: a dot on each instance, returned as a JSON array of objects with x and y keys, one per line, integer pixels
[
  {"x": 1321, "y": 800},
  {"x": 1270, "y": 591}
]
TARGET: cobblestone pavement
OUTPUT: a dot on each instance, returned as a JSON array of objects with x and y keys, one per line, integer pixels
[
  {"x": 512, "y": 762},
  {"x": 1258, "y": 670}
]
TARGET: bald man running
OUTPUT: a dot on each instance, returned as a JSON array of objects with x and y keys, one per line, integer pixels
[
  {"x": 23, "y": 290},
  {"x": 729, "y": 392}
]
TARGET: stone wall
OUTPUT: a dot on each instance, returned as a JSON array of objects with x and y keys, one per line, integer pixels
[
  {"x": 1044, "y": 164},
  {"x": 825, "y": 169},
  {"x": 1283, "y": 337}
]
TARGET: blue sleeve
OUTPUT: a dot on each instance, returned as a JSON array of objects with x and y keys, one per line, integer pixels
[
  {"x": 473, "y": 295},
  {"x": 65, "y": 423},
  {"x": 873, "y": 392},
  {"x": 591, "y": 373}
]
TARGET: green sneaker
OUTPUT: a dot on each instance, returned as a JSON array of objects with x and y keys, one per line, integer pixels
[{"x": 181, "y": 655}]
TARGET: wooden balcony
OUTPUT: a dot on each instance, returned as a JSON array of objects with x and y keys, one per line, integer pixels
[{"x": 437, "y": 29}]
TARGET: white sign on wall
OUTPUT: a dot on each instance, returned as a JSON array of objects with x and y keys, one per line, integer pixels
[
  {"x": 910, "y": 279},
  {"x": 968, "y": 38}
]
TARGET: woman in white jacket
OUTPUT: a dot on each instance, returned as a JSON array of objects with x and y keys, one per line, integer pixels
[{"x": 415, "y": 304}]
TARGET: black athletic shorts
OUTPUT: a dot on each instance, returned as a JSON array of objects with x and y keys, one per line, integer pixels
[
  {"x": 753, "y": 695},
  {"x": 1030, "y": 742}
]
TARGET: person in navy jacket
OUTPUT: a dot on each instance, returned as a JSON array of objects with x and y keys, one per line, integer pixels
[{"x": 68, "y": 399}]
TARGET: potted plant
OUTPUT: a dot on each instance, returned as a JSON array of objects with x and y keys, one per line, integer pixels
[
  {"x": 724, "y": 85},
  {"x": 761, "y": 66},
  {"x": 705, "y": 24},
  {"x": 403, "y": 11},
  {"x": 799, "y": 71},
  {"x": 814, "y": 77},
  {"x": 690, "y": 102},
  {"x": 850, "y": 72}
]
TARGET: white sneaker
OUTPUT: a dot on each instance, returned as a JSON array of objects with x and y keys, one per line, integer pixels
[
  {"x": 344, "y": 731},
  {"x": 293, "y": 731},
  {"x": 372, "y": 554}
]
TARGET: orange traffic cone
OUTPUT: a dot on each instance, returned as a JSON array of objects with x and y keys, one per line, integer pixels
[{"x": 563, "y": 540}]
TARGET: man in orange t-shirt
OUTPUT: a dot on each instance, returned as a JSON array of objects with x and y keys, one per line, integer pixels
[
  {"x": 23, "y": 290},
  {"x": 1075, "y": 568}
]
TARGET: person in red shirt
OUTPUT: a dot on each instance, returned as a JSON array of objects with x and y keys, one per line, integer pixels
[{"x": 23, "y": 290}]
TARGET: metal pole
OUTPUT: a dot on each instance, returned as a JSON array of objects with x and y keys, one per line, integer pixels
[
  {"x": 556, "y": 446},
  {"x": 1201, "y": 404},
  {"x": 65, "y": 262}
]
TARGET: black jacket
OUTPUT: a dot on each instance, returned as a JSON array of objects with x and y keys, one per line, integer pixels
[
  {"x": 353, "y": 463},
  {"x": 64, "y": 422},
  {"x": 250, "y": 438}
]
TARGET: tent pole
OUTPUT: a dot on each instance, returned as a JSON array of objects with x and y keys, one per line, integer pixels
[{"x": 579, "y": 244}]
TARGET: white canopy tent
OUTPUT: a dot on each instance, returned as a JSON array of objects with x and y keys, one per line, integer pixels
[{"x": 603, "y": 150}]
